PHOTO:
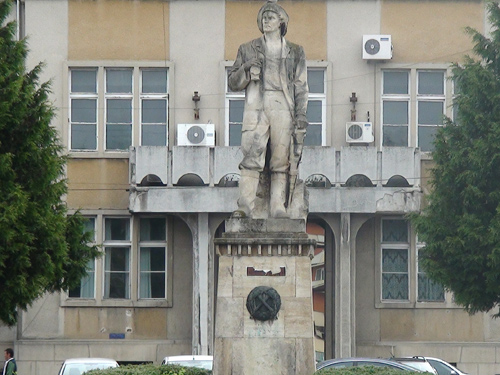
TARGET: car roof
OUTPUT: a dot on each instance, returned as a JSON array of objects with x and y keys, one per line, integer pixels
[
  {"x": 363, "y": 359},
  {"x": 189, "y": 358},
  {"x": 89, "y": 360}
]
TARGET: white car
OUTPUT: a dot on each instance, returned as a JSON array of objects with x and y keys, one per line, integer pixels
[
  {"x": 443, "y": 367},
  {"x": 77, "y": 366},
  {"x": 200, "y": 361}
]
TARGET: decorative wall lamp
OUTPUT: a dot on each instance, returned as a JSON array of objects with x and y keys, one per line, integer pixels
[{"x": 196, "y": 99}]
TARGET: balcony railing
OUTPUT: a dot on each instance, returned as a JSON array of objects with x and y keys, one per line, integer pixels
[{"x": 204, "y": 179}]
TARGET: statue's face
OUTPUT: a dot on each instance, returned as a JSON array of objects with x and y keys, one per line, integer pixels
[{"x": 270, "y": 22}]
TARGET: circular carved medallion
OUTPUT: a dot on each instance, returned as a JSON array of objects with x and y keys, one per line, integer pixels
[{"x": 263, "y": 303}]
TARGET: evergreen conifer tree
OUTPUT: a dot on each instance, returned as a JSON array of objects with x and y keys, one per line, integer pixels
[
  {"x": 42, "y": 248},
  {"x": 461, "y": 223}
]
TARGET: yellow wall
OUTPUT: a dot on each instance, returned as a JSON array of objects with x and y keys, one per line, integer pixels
[
  {"x": 307, "y": 26},
  {"x": 98, "y": 183},
  {"x": 431, "y": 32},
  {"x": 88, "y": 323},
  {"x": 118, "y": 30},
  {"x": 430, "y": 325}
]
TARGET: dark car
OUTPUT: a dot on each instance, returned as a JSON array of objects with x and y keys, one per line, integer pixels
[{"x": 350, "y": 362}]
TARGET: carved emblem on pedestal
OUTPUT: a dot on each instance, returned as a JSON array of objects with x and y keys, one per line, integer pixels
[{"x": 263, "y": 303}]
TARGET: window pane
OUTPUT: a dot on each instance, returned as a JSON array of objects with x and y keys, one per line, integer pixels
[
  {"x": 86, "y": 287},
  {"x": 430, "y": 113},
  {"x": 154, "y": 135},
  {"x": 119, "y": 111},
  {"x": 313, "y": 135},
  {"x": 83, "y": 137},
  {"x": 395, "y": 260},
  {"x": 429, "y": 290},
  {"x": 117, "y": 229},
  {"x": 153, "y": 229},
  {"x": 431, "y": 83},
  {"x": 84, "y": 110},
  {"x": 154, "y": 111},
  {"x": 395, "y": 286},
  {"x": 152, "y": 265},
  {"x": 236, "y": 110},
  {"x": 395, "y": 113},
  {"x": 314, "y": 111},
  {"x": 395, "y": 82},
  {"x": 395, "y": 136},
  {"x": 83, "y": 81},
  {"x": 395, "y": 231},
  {"x": 90, "y": 226},
  {"x": 154, "y": 81},
  {"x": 118, "y": 259},
  {"x": 119, "y": 81},
  {"x": 116, "y": 272},
  {"x": 118, "y": 137},
  {"x": 316, "y": 81},
  {"x": 426, "y": 135},
  {"x": 235, "y": 134}
]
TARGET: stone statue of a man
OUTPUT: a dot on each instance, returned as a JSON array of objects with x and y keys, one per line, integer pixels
[{"x": 273, "y": 73}]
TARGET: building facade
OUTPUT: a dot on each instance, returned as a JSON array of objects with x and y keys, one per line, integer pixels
[{"x": 152, "y": 133}]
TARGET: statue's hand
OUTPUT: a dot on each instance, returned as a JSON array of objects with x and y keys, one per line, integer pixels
[
  {"x": 301, "y": 122},
  {"x": 254, "y": 62}
]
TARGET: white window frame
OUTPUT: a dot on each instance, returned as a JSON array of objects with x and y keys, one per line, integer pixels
[
  {"x": 321, "y": 97},
  {"x": 101, "y": 66},
  {"x": 119, "y": 96},
  {"x": 126, "y": 243},
  {"x": 152, "y": 96},
  {"x": 395, "y": 98},
  {"x": 413, "y": 247},
  {"x": 83, "y": 96},
  {"x": 155, "y": 244},
  {"x": 436, "y": 98},
  {"x": 396, "y": 246}
]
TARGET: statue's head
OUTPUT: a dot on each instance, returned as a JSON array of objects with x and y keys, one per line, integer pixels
[{"x": 272, "y": 6}]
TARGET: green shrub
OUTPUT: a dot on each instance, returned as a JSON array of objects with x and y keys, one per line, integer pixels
[
  {"x": 365, "y": 370},
  {"x": 151, "y": 370}
]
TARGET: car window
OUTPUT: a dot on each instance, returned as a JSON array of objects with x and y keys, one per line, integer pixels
[
  {"x": 207, "y": 365},
  {"x": 80, "y": 368},
  {"x": 419, "y": 365},
  {"x": 441, "y": 368}
]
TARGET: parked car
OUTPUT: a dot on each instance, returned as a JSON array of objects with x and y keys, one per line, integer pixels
[
  {"x": 443, "y": 367},
  {"x": 350, "y": 362},
  {"x": 77, "y": 366},
  {"x": 200, "y": 361},
  {"x": 420, "y": 363}
]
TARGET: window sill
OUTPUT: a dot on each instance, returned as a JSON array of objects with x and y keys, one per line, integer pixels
[
  {"x": 416, "y": 305},
  {"x": 75, "y": 302}
]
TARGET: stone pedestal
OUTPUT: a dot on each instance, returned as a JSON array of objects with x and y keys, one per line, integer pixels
[{"x": 273, "y": 253}]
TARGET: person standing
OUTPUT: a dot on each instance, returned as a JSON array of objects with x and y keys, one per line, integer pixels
[
  {"x": 273, "y": 73},
  {"x": 10, "y": 366}
]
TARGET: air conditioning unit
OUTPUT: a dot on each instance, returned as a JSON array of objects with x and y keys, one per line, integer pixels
[
  {"x": 359, "y": 132},
  {"x": 196, "y": 135},
  {"x": 377, "y": 47}
]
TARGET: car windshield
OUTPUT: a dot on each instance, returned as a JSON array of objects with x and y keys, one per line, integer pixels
[
  {"x": 207, "y": 365},
  {"x": 80, "y": 368},
  {"x": 419, "y": 365}
]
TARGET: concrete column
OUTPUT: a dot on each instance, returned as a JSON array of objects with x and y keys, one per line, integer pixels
[
  {"x": 344, "y": 330},
  {"x": 203, "y": 286},
  {"x": 201, "y": 237}
]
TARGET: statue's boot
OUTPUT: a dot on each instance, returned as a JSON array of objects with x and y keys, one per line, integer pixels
[
  {"x": 249, "y": 182},
  {"x": 278, "y": 195}
]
